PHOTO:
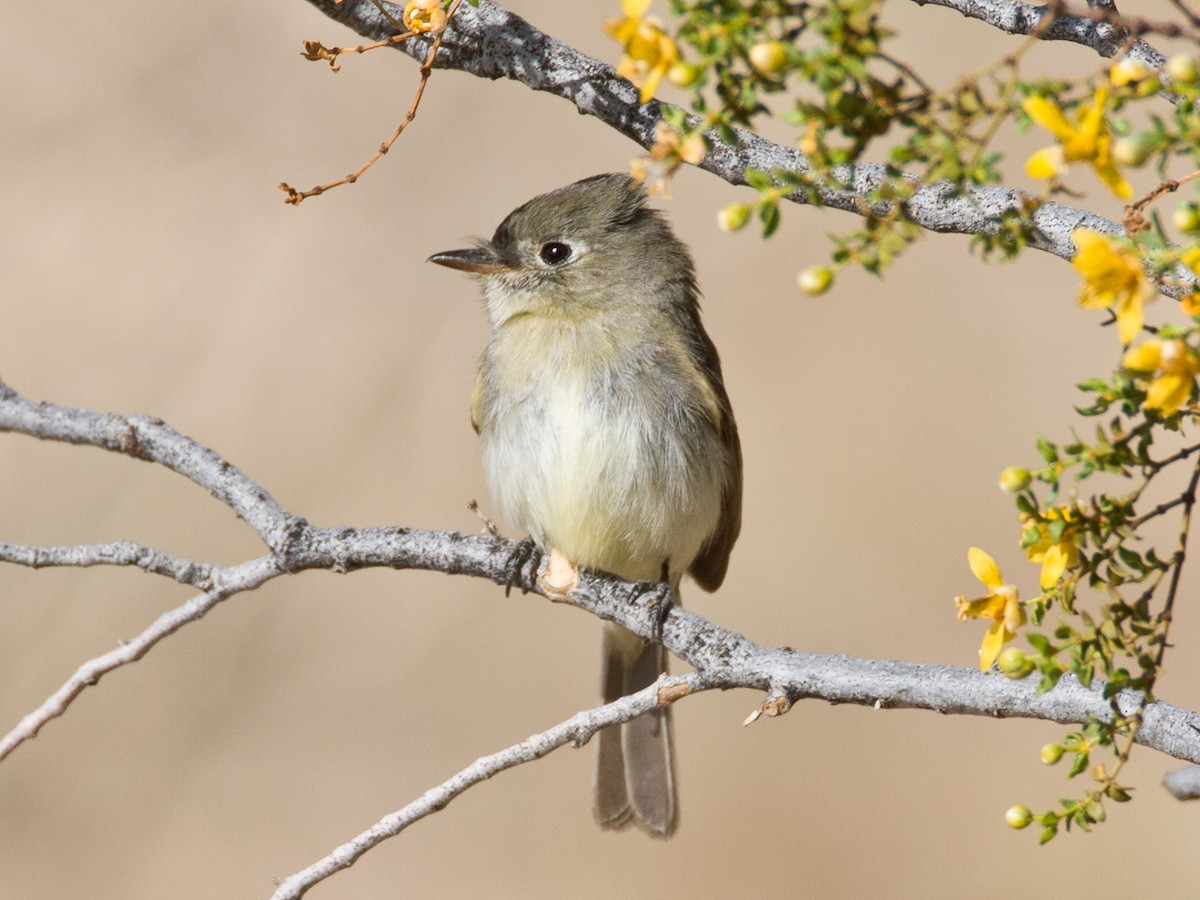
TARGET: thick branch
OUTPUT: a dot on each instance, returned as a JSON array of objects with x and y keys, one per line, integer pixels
[
  {"x": 1025, "y": 18},
  {"x": 724, "y": 658},
  {"x": 491, "y": 42},
  {"x": 150, "y": 439}
]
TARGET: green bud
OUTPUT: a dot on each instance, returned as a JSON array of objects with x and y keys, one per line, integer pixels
[
  {"x": 1015, "y": 479},
  {"x": 1014, "y": 663},
  {"x": 1186, "y": 217},
  {"x": 1052, "y": 753},
  {"x": 733, "y": 217},
  {"x": 1182, "y": 69},
  {"x": 684, "y": 74},
  {"x": 768, "y": 57},
  {"x": 815, "y": 280},
  {"x": 1018, "y": 816},
  {"x": 1133, "y": 149}
]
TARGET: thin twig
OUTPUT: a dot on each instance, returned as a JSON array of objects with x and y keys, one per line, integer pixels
[
  {"x": 117, "y": 553},
  {"x": 295, "y": 197},
  {"x": 1185, "y": 521},
  {"x": 1134, "y": 221},
  {"x": 576, "y": 730},
  {"x": 245, "y": 577}
]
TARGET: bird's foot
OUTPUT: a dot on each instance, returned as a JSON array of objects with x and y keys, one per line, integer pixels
[
  {"x": 522, "y": 564},
  {"x": 660, "y": 597}
]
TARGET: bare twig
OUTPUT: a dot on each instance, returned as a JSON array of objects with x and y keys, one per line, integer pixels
[
  {"x": 117, "y": 553},
  {"x": 576, "y": 730},
  {"x": 295, "y": 197},
  {"x": 236, "y": 579},
  {"x": 1134, "y": 221}
]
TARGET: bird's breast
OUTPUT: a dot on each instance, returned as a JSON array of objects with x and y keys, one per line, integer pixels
[{"x": 599, "y": 447}]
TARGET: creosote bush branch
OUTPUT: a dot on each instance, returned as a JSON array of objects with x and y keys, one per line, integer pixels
[
  {"x": 723, "y": 658},
  {"x": 490, "y": 42},
  {"x": 827, "y": 69}
]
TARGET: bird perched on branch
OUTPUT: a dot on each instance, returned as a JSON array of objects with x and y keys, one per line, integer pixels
[{"x": 607, "y": 433}]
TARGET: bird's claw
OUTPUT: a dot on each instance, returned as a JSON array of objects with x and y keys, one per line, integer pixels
[{"x": 522, "y": 564}]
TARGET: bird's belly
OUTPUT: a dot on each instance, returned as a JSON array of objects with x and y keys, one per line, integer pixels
[{"x": 614, "y": 486}]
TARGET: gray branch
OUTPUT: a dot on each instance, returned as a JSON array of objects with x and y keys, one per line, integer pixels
[
  {"x": 576, "y": 731},
  {"x": 1013, "y": 17},
  {"x": 490, "y": 42},
  {"x": 725, "y": 659},
  {"x": 721, "y": 658},
  {"x": 117, "y": 553},
  {"x": 1183, "y": 784}
]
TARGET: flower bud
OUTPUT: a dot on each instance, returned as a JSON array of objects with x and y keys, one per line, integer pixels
[
  {"x": 768, "y": 57},
  {"x": 1015, "y": 479},
  {"x": 684, "y": 74},
  {"x": 1014, "y": 663},
  {"x": 733, "y": 217},
  {"x": 815, "y": 280},
  {"x": 1052, "y": 753},
  {"x": 1182, "y": 69},
  {"x": 1018, "y": 816},
  {"x": 1127, "y": 71},
  {"x": 1133, "y": 149},
  {"x": 1186, "y": 217}
]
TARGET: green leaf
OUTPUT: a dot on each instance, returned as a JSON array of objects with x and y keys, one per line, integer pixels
[
  {"x": 769, "y": 213},
  {"x": 1047, "y": 450},
  {"x": 1078, "y": 764},
  {"x": 1040, "y": 643}
]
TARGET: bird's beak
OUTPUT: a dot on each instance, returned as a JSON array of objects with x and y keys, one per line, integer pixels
[{"x": 476, "y": 260}]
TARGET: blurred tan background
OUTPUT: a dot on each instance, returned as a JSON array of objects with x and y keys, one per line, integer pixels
[{"x": 150, "y": 266}]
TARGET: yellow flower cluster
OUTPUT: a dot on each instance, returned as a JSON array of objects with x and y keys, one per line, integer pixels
[
  {"x": 1055, "y": 553},
  {"x": 1113, "y": 278},
  {"x": 1173, "y": 366},
  {"x": 1087, "y": 139},
  {"x": 1002, "y": 606},
  {"x": 649, "y": 51}
]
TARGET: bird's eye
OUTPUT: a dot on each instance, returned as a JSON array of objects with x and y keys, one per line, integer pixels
[{"x": 554, "y": 253}]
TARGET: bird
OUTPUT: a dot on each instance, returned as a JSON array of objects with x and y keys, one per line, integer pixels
[{"x": 607, "y": 434}]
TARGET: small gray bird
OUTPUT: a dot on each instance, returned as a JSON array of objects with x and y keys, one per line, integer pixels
[{"x": 607, "y": 433}]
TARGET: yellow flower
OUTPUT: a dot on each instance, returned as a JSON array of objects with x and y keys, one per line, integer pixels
[
  {"x": 649, "y": 51},
  {"x": 424, "y": 16},
  {"x": 1113, "y": 277},
  {"x": 1055, "y": 554},
  {"x": 1174, "y": 365},
  {"x": 1087, "y": 140},
  {"x": 1001, "y": 605},
  {"x": 1129, "y": 71}
]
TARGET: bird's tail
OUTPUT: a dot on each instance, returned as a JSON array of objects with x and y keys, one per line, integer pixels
[{"x": 635, "y": 775}]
